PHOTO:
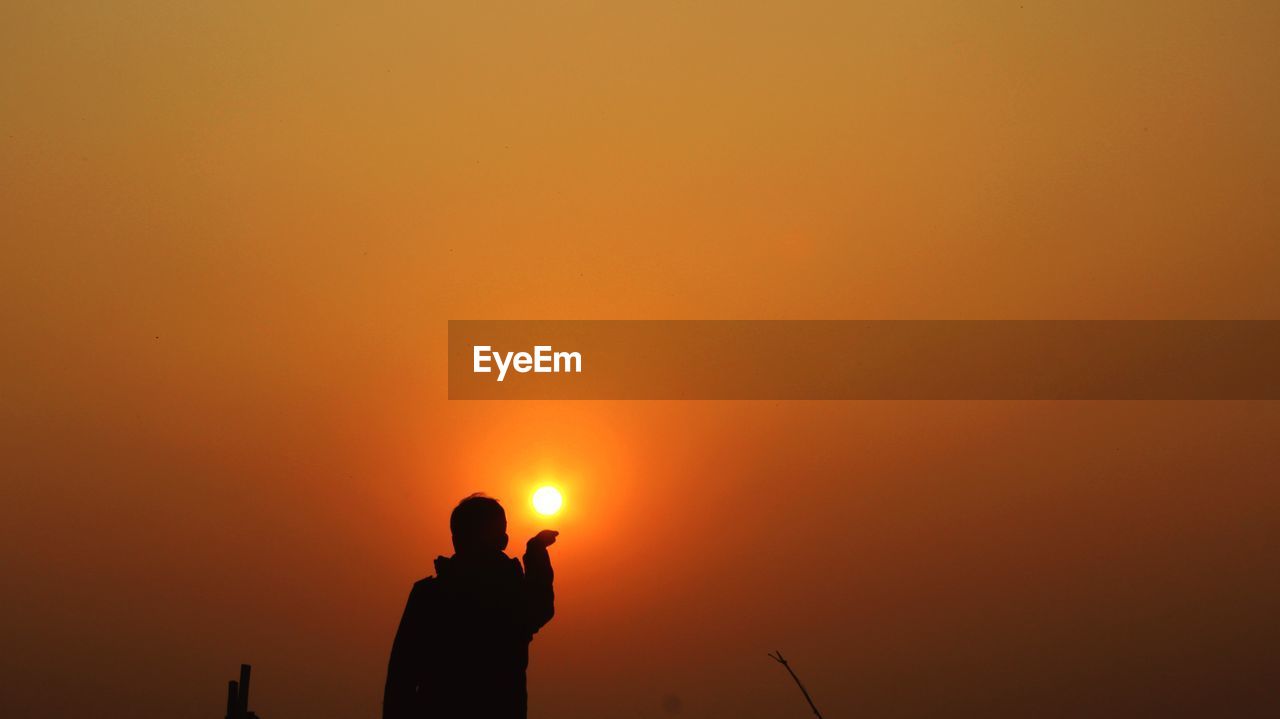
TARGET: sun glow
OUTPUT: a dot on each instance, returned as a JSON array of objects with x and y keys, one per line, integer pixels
[{"x": 547, "y": 500}]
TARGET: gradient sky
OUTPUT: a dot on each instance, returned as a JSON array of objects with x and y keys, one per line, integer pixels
[{"x": 233, "y": 234}]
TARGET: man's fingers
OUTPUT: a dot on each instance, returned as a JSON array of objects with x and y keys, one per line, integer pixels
[{"x": 545, "y": 538}]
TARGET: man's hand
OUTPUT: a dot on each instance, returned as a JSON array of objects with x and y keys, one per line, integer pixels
[{"x": 543, "y": 539}]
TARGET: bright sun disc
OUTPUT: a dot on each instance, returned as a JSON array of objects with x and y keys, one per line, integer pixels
[{"x": 547, "y": 500}]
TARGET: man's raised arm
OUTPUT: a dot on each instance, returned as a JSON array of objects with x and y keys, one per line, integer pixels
[{"x": 539, "y": 596}]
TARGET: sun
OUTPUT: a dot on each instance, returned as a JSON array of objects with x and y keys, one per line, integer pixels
[{"x": 547, "y": 500}]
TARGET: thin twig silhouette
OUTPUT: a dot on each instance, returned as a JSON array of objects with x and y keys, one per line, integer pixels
[{"x": 777, "y": 657}]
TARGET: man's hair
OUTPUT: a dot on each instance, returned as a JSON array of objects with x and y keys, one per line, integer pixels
[{"x": 478, "y": 523}]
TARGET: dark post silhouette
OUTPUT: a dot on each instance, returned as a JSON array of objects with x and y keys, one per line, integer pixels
[
  {"x": 777, "y": 657},
  {"x": 244, "y": 688},
  {"x": 238, "y": 696}
]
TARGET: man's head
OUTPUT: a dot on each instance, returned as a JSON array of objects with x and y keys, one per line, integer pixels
[{"x": 478, "y": 525}]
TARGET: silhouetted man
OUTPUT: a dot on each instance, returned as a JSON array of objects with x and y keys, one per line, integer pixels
[{"x": 463, "y": 643}]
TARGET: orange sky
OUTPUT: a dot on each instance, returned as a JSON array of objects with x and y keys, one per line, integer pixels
[{"x": 233, "y": 235}]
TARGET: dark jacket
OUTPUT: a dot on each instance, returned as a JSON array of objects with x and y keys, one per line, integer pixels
[{"x": 463, "y": 643}]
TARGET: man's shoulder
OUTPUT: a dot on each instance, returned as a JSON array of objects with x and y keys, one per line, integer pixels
[
  {"x": 427, "y": 583},
  {"x": 423, "y": 596}
]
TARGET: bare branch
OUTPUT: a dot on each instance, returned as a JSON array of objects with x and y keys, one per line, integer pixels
[{"x": 777, "y": 657}]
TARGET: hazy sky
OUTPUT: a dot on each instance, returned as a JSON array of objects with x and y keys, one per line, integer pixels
[{"x": 233, "y": 234}]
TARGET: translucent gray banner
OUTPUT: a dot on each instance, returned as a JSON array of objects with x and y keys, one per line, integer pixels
[{"x": 864, "y": 359}]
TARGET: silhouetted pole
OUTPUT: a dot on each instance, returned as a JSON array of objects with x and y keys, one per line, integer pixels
[
  {"x": 244, "y": 688},
  {"x": 777, "y": 657},
  {"x": 238, "y": 696}
]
